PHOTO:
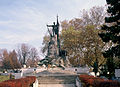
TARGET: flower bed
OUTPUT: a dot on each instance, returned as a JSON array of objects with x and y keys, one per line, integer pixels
[
  {"x": 97, "y": 82},
  {"x": 22, "y": 82}
]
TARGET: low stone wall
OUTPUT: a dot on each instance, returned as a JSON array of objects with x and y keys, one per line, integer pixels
[
  {"x": 40, "y": 69},
  {"x": 79, "y": 69},
  {"x": 27, "y": 70},
  {"x": 18, "y": 75}
]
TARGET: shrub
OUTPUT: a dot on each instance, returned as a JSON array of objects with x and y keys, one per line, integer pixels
[
  {"x": 97, "y": 82},
  {"x": 22, "y": 82}
]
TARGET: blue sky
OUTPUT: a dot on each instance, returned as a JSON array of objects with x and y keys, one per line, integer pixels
[{"x": 24, "y": 21}]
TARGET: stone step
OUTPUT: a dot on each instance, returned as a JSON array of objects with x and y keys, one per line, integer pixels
[
  {"x": 56, "y": 85},
  {"x": 56, "y": 79}
]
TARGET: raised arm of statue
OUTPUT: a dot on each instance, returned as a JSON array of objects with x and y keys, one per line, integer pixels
[
  {"x": 50, "y": 25},
  {"x": 53, "y": 28}
]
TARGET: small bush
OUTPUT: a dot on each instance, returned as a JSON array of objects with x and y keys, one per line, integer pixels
[
  {"x": 97, "y": 82},
  {"x": 22, "y": 82}
]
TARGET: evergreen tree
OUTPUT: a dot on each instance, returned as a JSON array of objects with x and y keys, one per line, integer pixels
[{"x": 111, "y": 33}]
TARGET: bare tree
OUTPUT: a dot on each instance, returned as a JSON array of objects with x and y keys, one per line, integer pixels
[
  {"x": 14, "y": 60},
  {"x": 5, "y": 59},
  {"x": 33, "y": 57},
  {"x": 23, "y": 51},
  {"x": 27, "y": 53},
  {"x": 34, "y": 53},
  {"x": 9, "y": 59},
  {"x": 95, "y": 16}
]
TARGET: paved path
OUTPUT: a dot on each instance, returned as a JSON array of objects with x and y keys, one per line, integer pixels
[
  {"x": 66, "y": 79},
  {"x": 56, "y": 85},
  {"x": 53, "y": 78}
]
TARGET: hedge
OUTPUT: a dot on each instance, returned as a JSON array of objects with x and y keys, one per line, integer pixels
[
  {"x": 97, "y": 82},
  {"x": 22, "y": 82}
]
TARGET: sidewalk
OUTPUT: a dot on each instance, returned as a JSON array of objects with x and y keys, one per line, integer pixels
[{"x": 56, "y": 85}]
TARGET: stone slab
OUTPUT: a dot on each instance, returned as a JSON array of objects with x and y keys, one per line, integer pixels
[{"x": 56, "y": 85}]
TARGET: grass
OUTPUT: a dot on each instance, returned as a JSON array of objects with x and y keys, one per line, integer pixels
[{"x": 3, "y": 78}]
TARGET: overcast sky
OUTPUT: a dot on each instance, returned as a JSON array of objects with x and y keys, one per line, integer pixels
[{"x": 24, "y": 21}]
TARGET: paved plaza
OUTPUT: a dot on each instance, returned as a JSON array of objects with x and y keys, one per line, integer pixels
[
  {"x": 56, "y": 78},
  {"x": 56, "y": 85}
]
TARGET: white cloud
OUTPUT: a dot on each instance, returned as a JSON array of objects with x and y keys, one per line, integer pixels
[
  {"x": 4, "y": 42},
  {"x": 26, "y": 21},
  {"x": 5, "y": 22},
  {"x": 26, "y": 26}
]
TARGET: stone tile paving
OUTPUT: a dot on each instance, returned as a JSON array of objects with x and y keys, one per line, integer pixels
[
  {"x": 56, "y": 85},
  {"x": 56, "y": 78}
]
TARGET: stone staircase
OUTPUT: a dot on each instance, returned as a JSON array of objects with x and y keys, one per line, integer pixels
[{"x": 61, "y": 79}]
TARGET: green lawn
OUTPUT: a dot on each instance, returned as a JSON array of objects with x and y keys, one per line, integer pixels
[{"x": 3, "y": 78}]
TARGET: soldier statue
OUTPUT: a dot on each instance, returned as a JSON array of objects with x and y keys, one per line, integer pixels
[{"x": 55, "y": 55}]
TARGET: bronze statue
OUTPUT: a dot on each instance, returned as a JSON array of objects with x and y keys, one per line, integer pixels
[
  {"x": 55, "y": 32},
  {"x": 55, "y": 54}
]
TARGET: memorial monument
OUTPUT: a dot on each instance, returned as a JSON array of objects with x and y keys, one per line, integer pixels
[{"x": 55, "y": 55}]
